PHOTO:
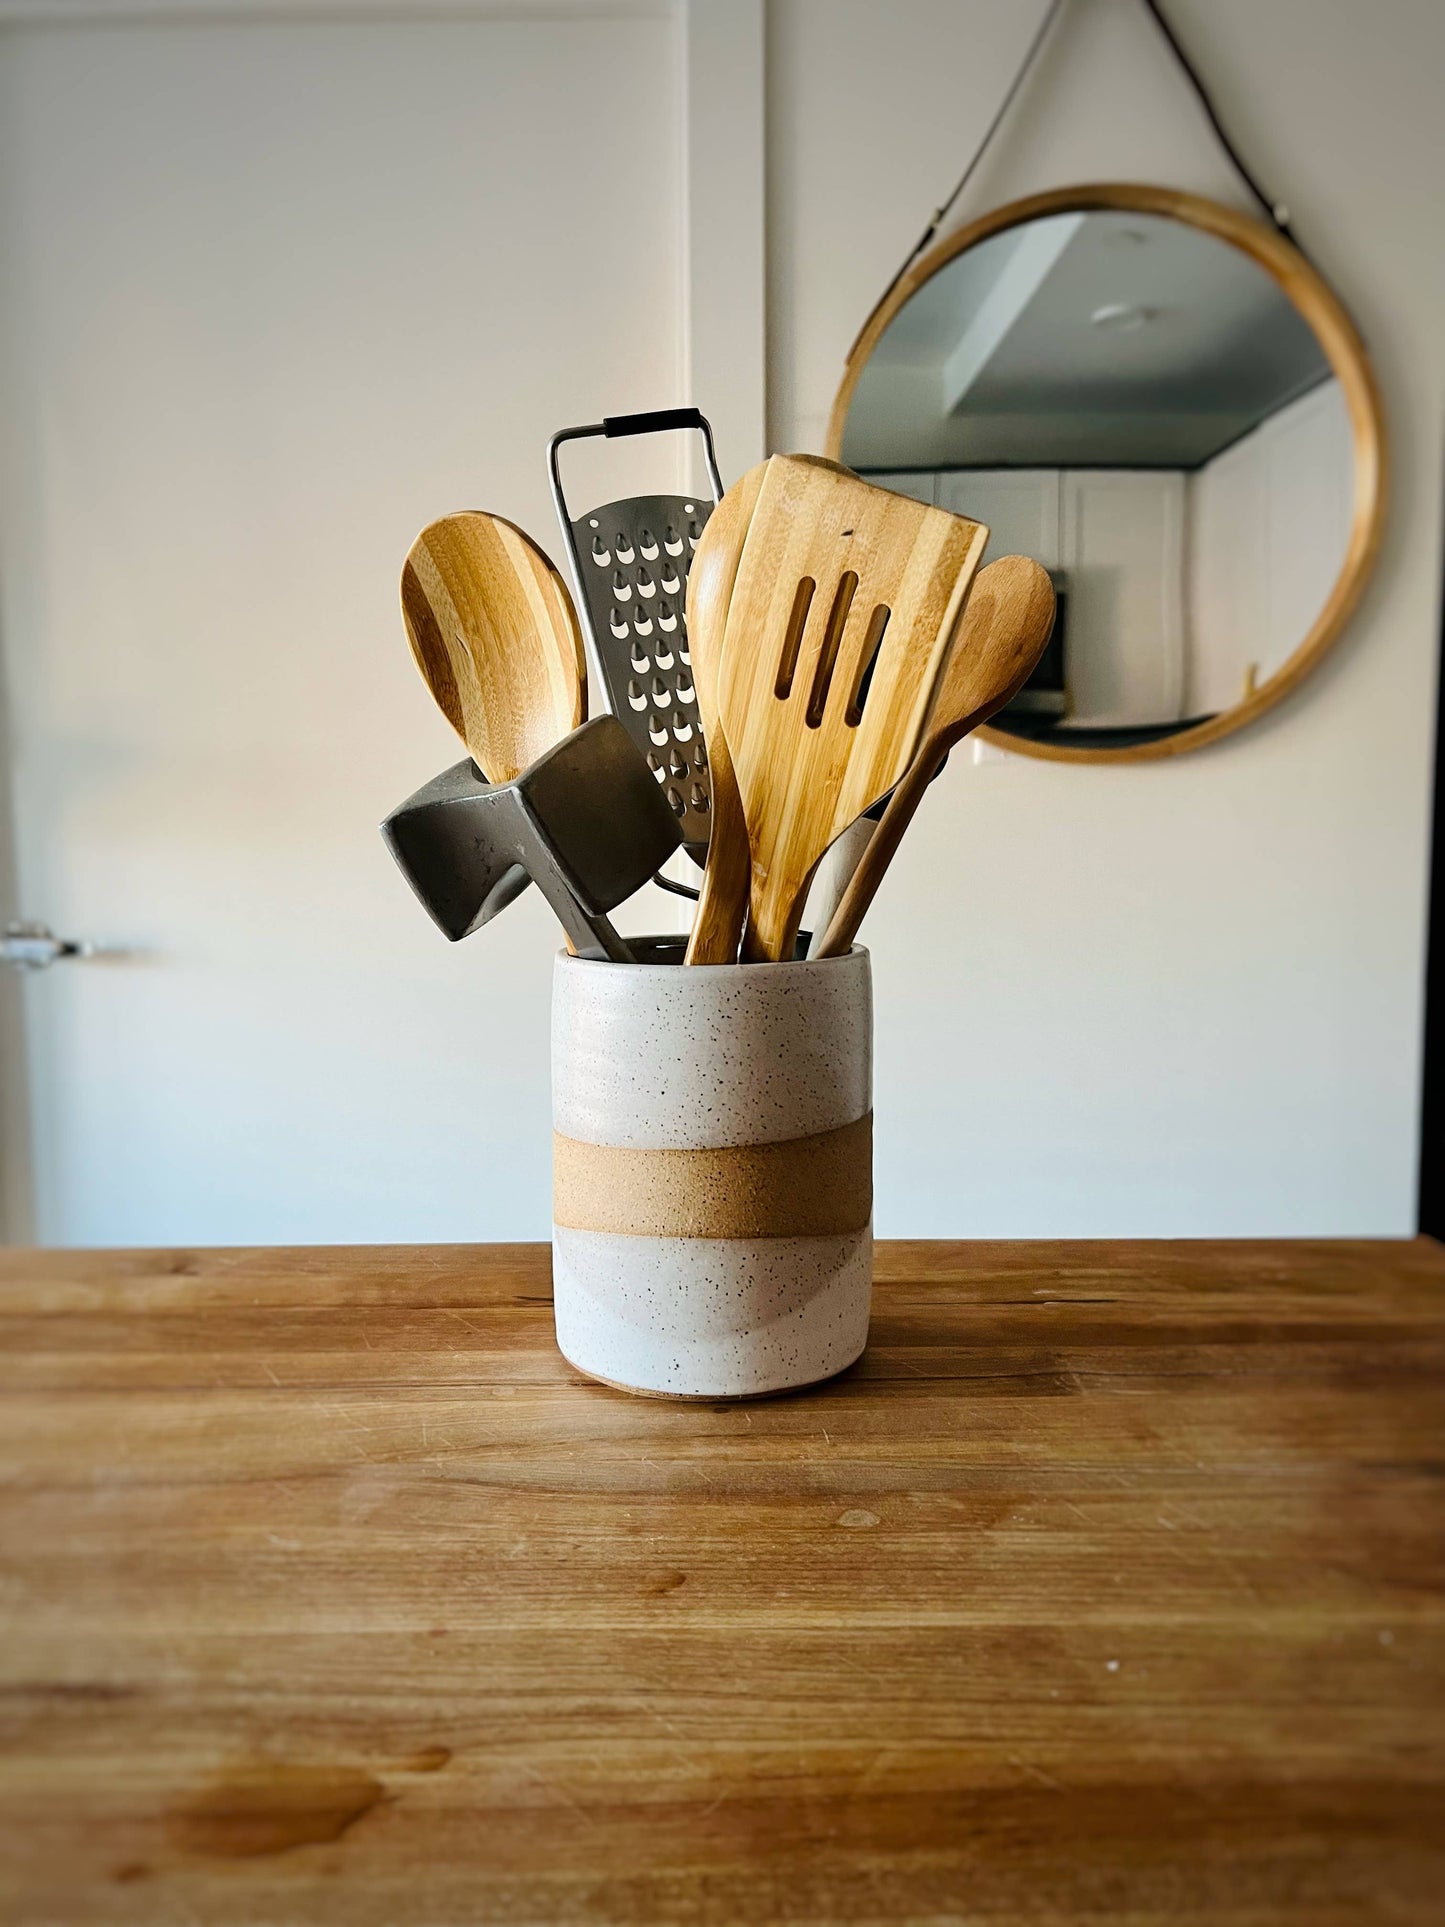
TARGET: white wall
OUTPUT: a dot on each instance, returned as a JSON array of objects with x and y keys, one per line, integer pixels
[
  {"x": 1183, "y": 997},
  {"x": 274, "y": 293},
  {"x": 279, "y": 283}
]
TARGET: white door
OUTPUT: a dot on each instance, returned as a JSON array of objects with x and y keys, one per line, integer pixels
[{"x": 274, "y": 293}]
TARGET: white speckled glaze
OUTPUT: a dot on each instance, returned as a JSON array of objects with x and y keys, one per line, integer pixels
[
  {"x": 665, "y": 1057},
  {"x": 711, "y": 1317},
  {"x": 661, "y": 1057}
]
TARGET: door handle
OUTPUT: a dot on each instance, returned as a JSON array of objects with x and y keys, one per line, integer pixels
[{"x": 35, "y": 946}]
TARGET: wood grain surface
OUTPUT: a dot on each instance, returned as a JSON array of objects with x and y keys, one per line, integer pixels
[
  {"x": 722, "y": 904},
  {"x": 1008, "y": 619},
  {"x": 1108, "y": 1586},
  {"x": 843, "y": 608}
]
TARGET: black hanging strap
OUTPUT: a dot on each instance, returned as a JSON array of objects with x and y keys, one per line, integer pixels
[
  {"x": 1276, "y": 210},
  {"x": 940, "y": 213}
]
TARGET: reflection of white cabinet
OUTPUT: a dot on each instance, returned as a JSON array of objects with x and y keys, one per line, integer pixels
[
  {"x": 1020, "y": 506},
  {"x": 1269, "y": 522},
  {"x": 1116, "y": 538},
  {"x": 1152, "y": 634},
  {"x": 1123, "y": 550}
]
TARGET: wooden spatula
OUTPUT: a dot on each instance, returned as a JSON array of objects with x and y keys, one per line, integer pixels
[
  {"x": 1004, "y": 629},
  {"x": 717, "y": 927},
  {"x": 844, "y": 604},
  {"x": 496, "y": 638}
]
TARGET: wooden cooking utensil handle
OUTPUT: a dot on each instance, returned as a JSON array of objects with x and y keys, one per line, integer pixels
[
  {"x": 722, "y": 903},
  {"x": 772, "y": 932},
  {"x": 863, "y": 884}
]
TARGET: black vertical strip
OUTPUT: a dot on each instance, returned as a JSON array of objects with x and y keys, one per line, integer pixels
[
  {"x": 793, "y": 636},
  {"x": 1432, "y": 1122}
]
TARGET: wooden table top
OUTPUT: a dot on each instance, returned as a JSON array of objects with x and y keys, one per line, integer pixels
[{"x": 1108, "y": 1585}]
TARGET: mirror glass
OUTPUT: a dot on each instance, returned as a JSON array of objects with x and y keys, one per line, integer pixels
[{"x": 1139, "y": 406}]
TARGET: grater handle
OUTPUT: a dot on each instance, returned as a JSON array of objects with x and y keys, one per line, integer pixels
[
  {"x": 653, "y": 421},
  {"x": 650, "y": 422}
]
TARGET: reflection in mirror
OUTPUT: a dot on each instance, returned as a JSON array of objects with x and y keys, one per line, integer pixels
[{"x": 1138, "y": 405}]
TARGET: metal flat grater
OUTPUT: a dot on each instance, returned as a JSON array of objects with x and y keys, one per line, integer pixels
[{"x": 630, "y": 563}]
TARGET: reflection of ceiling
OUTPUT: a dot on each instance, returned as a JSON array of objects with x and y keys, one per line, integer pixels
[{"x": 1106, "y": 339}]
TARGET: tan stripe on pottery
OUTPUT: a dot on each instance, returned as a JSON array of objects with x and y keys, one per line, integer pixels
[{"x": 801, "y": 1187}]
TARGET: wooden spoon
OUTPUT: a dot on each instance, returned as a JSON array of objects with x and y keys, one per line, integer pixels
[
  {"x": 1005, "y": 626},
  {"x": 843, "y": 607},
  {"x": 496, "y": 638}
]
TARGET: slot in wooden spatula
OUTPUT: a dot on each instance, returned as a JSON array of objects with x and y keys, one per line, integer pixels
[{"x": 843, "y": 607}]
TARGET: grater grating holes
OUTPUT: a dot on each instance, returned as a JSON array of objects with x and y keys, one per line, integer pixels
[{"x": 636, "y": 592}]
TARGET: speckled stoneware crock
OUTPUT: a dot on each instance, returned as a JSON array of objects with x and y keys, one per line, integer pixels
[{"x": 713, "y": 1188}]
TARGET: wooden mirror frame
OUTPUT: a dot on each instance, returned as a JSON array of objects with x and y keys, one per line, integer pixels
[{"x": 1312, "y": 297}]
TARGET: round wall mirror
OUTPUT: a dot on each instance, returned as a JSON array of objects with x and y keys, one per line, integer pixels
[{"x": 1160, "y": 400}]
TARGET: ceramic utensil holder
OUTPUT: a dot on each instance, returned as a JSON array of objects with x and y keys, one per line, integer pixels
[{"x": 713, "y": 1172}]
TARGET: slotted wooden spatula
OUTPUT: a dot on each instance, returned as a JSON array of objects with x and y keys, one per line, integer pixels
[
  {"x": 843, "y": 607},
  {"x": 496, "y": 638},
  {"x": 1000, "y": 639}
]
